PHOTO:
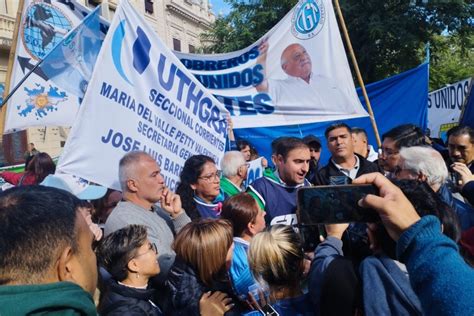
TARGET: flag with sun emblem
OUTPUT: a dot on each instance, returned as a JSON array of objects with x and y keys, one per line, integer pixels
[{"x": 45, "y": 98}]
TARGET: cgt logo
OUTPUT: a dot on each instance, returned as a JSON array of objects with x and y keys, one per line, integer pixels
[
  {"x": 308, "y": 19},
  {"x": 140, "y": 51}
]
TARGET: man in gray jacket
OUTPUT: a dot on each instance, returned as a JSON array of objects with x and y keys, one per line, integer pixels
[{"x": 143, "y": 186}]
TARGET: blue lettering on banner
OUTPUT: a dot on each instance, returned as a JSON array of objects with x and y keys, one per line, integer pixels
[
  {"x": 245, "y": 78},
  {"x": 196, "y": 64},
  {"x": 449, "y": 97},
  {"x": 172, "y": 167},
  {"x": 155, "y": 136},
  {"x": 125, "y": 100},
  {"x": 169, "y": 107},
  {"x": 118, "y": 140},
  {"x": 248, "y": 104},
  {"x": 253, "y": 175},
  {"x": 170, "y": 183},
  {"x": 194, "y": 99}
]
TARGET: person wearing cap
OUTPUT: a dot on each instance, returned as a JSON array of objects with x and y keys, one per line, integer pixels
[
  {"x": 142, "y": 187},
  {"x": 314, "y": 144},
  {"x": 84, "y": 191}
]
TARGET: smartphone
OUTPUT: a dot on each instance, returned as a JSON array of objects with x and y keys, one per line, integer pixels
[
  {"x": 311, "y": 236},
  {"x": 332, "y": 204},
  {"x": 268, "y": 310}
]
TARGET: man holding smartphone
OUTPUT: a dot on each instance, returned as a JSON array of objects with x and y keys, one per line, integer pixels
[
  {"x": 276, "y": 192},
  {"x": 344, "y": 165}
]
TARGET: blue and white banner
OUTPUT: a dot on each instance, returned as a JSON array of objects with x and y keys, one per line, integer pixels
[
  {"x": 444, "y": 107},
  {"x": 296, "y": 73},
  {"x": 141, "y": 97},
  {"x": 40, "y": 100},
  {"x": 255, "y": 171},
  {"x": 400, "y": 99}
]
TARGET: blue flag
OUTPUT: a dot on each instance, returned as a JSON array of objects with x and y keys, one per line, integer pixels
[{"x": 70, "y": 63}]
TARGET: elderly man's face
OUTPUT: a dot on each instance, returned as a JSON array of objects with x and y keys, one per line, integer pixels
[{"x": 296, "y": 61}]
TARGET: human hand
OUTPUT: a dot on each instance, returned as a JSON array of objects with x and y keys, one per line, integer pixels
[
  {"x": 464, "y": 172},
  {"x": 214, "y": 304},
  {"x": 374, "y": 243},
  {"x": 264, "y": 162},
  {"x": 263, "y": 47},
  {"x": 257, "y": 304},
  {"x": 336, "y": 230},
  {"x": 171, "y": 203},
  {"x": 230, "y": 124},
  {"x": 396, "y": 212}
]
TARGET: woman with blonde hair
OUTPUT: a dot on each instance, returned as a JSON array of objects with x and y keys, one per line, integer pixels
[
  {"x": 276, "y": 257},
  {"x": 203, "y": 256}
]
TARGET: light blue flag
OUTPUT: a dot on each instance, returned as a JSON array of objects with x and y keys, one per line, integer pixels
[{"x": 70, "y": 63}]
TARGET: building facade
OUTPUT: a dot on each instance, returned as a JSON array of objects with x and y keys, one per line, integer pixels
[{"x": 179, "y": 23}]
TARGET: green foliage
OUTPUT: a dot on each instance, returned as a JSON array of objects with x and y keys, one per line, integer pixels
[
  {"x": 450, "y": 60},
  {"x": 246, "y": 23},
  {"x": 388, "y": 36}
]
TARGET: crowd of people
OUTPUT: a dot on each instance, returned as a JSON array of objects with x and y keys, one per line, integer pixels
[{"x": 219, "y": 245}]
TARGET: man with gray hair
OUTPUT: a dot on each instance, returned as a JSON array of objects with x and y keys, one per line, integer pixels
[
  {"x": 427, "y": 165},
  {"x": 142, "y": 187},
  {"x": 301, "y": 87},
  {"x": 424, "y": 164},
  {"x": 234, "y": 173}
]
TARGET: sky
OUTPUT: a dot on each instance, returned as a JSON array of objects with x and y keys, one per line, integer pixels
[{"x": 219, "y": 6}]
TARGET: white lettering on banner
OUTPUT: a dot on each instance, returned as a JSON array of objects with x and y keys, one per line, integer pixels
[{"x": 174, "y": 119}]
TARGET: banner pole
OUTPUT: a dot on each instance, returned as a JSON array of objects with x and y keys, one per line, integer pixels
[
  {"x": 359, "y": 77},
  {"x": 463, "y": 106},
  {"x": 11, "y": 60}
]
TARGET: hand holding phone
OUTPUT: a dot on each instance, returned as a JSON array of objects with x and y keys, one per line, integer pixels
[{"x": 334, "y": 204}]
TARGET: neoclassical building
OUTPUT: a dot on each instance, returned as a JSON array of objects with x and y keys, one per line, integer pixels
[{"x": 178, "y": 23}]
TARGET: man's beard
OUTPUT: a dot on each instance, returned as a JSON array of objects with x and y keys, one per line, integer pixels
[{"x": 313, "y": 164}]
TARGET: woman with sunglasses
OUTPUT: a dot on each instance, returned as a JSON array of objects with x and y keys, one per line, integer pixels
[
  {"x": 131, "y": 259},
  {"x": 199, "y": 187}
]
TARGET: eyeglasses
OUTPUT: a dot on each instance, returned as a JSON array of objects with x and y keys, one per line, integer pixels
[
  {"x": 212, "y": 176},
  {"x": 151, "y": 246},
  {"x": 388, "y": 152}
]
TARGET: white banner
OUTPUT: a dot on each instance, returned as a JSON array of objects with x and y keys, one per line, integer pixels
[
  {"x": 297, "y": 73},
  {"x": 255, "y": 171},
  {"x": 39, "y": 101},
  {"x": 141, "y": 97},
  {"x": 444, "y": 107}
]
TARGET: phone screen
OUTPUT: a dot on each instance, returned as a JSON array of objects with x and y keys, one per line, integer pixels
[{"x": 333, "y": 204}]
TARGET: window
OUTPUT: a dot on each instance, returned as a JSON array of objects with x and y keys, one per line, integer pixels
[
  {"x": 176, "y": 44},
  {"x": 192, "y": 50},
  {"x": 149, "y": 6}
]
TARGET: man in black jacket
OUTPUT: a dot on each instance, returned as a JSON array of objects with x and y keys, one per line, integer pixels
[{"x": 344, "y": 165}]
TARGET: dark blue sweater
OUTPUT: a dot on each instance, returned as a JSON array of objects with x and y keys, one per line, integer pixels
[{"x": 439, "y": 276}]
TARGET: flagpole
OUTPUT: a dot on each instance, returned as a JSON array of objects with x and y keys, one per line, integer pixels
[
  {"x": 11, "y": 60},
  {"x": 359, "y": 77}
]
